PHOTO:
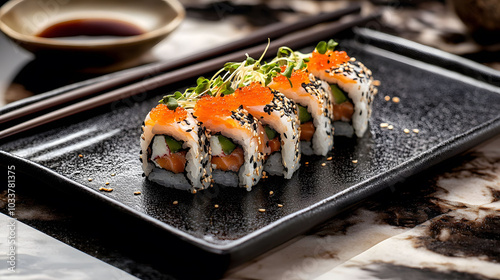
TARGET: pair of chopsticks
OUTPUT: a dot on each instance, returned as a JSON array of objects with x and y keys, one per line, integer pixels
[
  {"x": 106, "y": 82},
  {"x": 293, "y": 40}
]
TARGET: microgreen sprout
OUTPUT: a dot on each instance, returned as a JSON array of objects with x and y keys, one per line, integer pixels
[
  {"x": 323, "y": 46},
  {"x": 239, "y": 74},
  {"x": 172, "y": 103}
]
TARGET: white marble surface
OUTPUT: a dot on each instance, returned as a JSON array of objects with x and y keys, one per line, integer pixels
[
  {"x": 447, "y": 227},
  {"x": 28, "y": 254}
]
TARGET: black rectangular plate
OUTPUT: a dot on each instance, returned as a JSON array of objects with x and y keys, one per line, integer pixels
[{"x": 452, "y": 109}]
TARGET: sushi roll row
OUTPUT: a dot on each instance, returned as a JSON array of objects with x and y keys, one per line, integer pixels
[{"x": 254, "y": 116}]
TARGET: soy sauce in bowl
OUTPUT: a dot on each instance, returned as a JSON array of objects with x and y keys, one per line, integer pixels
[
  {"x": 76, "y": 29},
  {"x": 91, "y": 28}
]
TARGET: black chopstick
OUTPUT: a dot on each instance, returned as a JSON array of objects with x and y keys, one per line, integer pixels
[
  {"x": 294, "y": 41},
  {"x": 259, "y": 36}
]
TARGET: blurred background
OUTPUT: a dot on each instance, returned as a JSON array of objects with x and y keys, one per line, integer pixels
[{"x": 468, "y": 28}]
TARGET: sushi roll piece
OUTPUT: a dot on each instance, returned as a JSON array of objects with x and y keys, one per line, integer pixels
[
  {"x": 314, "y": 102},
  {"x": 352, "y": 87},
  {"x": 173, "y": 149},
  {"x": 278, "y": 114},
  {"x": 237, "y": 141}
]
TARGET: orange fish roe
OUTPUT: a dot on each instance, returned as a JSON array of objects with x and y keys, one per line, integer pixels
[
  {"x": 298, "y": 78},
  {"x": 328, "y": 60},
  {"x": 253, "y": 95},
  {"x": 162, "y": 115},
  {"x": 215, "y": 109}
]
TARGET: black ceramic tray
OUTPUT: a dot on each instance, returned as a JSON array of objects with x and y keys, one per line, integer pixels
[{"x": 452, "y": 102}]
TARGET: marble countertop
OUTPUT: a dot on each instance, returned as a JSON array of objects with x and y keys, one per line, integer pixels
[{"x": 443, "y": 223}]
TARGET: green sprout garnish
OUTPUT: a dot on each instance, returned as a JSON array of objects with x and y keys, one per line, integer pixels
[
  {"x": 323, "y": 46},
  {"x": 251, "y": 70},
  {"x": 171, "y": 100},
  {"x": 239, "y": 74},
  {"x": 172, "y": 103}
]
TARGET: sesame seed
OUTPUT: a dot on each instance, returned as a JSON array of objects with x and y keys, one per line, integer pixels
[
  {"x": 80, "y": 155},
  {"x": 262, "y": 210},
  {"x": 107, "y": 183},
  {"x": 271, "y": 193},
  {"x": 395, "y": 99},
  {"x": 355, "y": 161},
  {"x": 137, "y": 193},
  {"x": 323, "y": 164},
  {"x": 280, "y": 205},
  {"x": 90, "y": 179},
  {"x": 175, "y": 202},
  {"x": 216, "y": 206},
  {"x": 194, "y": 191},
  {"x": 390, "y": 126},
  {"x": 113, "y": 174},
  {"x": 384, "y": 125},
  {"x": 329, "y": 158},
  {"x": 387, "y": 98},
  {"x": 415, "y": 130},
  {"x": 307, "y": 162},
  {"x": 406, "y": 130}
]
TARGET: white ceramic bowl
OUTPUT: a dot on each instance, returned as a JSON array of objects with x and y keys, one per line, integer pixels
[{"x": 22, "y": 20}]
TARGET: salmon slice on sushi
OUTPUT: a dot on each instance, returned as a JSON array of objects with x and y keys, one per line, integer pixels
[
  {"x": 237, "y": 141},
  {"x": 173, "y": 149}
]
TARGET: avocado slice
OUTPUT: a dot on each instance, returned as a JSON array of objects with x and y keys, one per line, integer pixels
[
  {"x": 304, "y": 116},
  {"x": 173, "y": 145},
  {"x": 338, "y": 94},
  {"x": 227, "y": 145},
  {"x": 271, "y": 133}
]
